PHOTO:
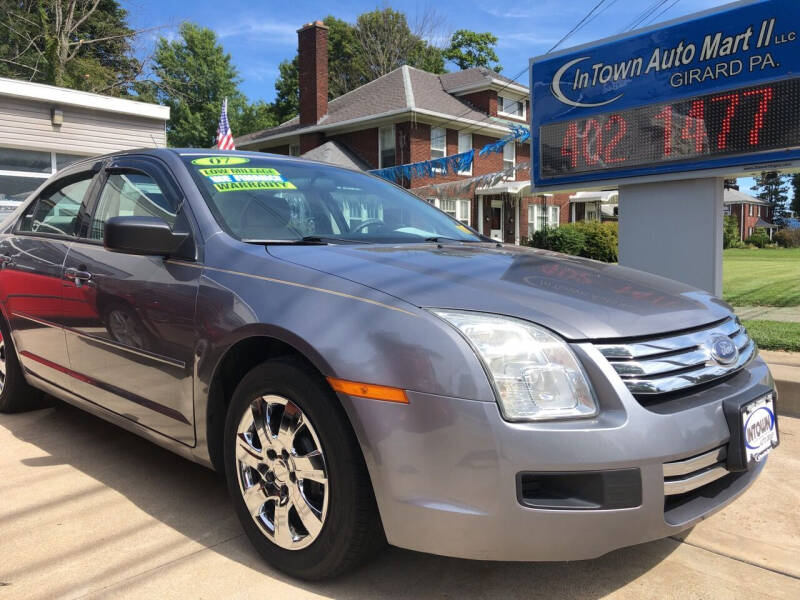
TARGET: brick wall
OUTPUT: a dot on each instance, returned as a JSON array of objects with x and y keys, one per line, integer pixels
[
  {"x": 276, "y": 149},
  {"x": 485, "y": 101},
  {"x": 363, "y": 144},
  {"x": 523, "y": 155},
  {"x": 560, "y": 200}
]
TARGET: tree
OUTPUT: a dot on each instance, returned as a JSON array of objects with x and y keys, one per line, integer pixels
[
  {"x": 471, "y": 49},
  {"x": 795, "y": 206},
  {"x": 287, "y": 90},
  {"x": 386, "y": 42},
  {"x": 193, "y": 74},
  {"x": 730, "y": 231},
  {"x": 772, "y": 188},
  {"x": 81, "y": 44},
  {"x": 379, "y": 42}
]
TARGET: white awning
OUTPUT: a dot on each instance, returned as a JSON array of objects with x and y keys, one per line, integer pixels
[
  {"x": 611, "y": 197},
  {"x": 505, "y": 187}
]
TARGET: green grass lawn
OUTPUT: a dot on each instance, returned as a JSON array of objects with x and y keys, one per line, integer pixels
[
  {"x": 761, "y": 276},
  {"x": 775, "y": 335}
]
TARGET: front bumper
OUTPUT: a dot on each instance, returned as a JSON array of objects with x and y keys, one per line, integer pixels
[{"x": 444, "y": 470}]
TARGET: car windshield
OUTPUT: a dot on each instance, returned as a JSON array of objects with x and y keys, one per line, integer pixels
[{"x": 273, "y": 200}]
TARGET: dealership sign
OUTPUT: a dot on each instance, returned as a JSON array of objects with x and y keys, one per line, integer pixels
[{"x": 717, "y": 90}]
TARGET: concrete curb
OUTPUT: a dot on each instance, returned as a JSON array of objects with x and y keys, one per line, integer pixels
[{"x": 785, "y": 367}]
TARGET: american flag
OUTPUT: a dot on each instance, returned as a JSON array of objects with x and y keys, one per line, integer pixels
[{"x": 224, "y": 135}]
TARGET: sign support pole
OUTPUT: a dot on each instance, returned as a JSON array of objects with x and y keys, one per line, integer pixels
[{"x": 674, "y": 229}]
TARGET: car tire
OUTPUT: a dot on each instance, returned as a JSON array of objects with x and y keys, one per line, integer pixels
[
  {"x": 16, "y": 395},
  {"x": 296, "y": 474}
]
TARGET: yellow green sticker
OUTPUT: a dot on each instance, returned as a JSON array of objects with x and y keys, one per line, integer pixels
[
  {"x": 235, "y": 186},
  {"x": 239, "y": 171},
  {"x": 463, "y": 228},
  {"x": 220, "y": 160}
]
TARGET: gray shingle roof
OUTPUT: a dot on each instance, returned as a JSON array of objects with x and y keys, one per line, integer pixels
[
  {"x": 736, "y": 197},
  {"x": 475, "y": 75},
  {"x": 404, "y": 89},
  {"x": 334, "y": 153}
]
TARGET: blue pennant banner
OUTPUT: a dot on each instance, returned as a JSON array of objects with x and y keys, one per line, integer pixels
[
  {"x": 450, "y": 164},
  {"x": 428, "y": 168},
  {"x": 518, "y": 134}
]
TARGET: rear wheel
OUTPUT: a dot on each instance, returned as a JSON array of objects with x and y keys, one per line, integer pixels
[
  {"x": 15, "y": 393},
  {"x": 296, "y": 475}
]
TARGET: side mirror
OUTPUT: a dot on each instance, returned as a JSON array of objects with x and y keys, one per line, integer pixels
[{"x": 142, "y": 235}]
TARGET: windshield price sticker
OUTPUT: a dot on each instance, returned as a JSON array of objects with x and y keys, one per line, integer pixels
[
  {"x": 235, "y": 186},
  {"x": 227, "y": 179}
]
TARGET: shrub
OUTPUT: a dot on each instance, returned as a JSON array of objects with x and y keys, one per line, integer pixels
[
  {"x": 759, "y": 239},
  {"x": 589, "y": 239},
  {"x": 730, "y": 232},
  {"x": 788, "y": 238},
  {"x": 602, "y": 240},
  {"x": 566, "y": 239}
]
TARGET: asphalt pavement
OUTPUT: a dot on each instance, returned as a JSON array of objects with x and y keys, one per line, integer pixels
[{"x": 88, "y": 510}]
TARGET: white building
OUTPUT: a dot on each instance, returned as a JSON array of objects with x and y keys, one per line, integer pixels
[{"x": 44, "y": 128}]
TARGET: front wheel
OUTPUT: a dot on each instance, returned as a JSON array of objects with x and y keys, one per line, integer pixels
[
  {"x": 296, "y": 475},
  {"x": 15, "y": 393}
]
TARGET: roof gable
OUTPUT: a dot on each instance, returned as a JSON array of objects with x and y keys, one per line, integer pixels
[{"x": 404, "y": 89}]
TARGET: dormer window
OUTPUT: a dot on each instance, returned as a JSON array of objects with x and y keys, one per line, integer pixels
[{"x": 510, "y": 107}]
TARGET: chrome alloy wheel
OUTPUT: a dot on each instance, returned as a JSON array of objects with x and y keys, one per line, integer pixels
[
  {"x": 2, "y": 363},
  {"x": 281, "y": 471}
]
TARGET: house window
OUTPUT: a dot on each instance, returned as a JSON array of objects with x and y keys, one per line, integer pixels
[
  {"x": 386, "y": 149},
  {"x": 759, "y": 211},
  {"x": 749, "y": 232},
  {"x": 540, "y": 217},
  {"x": 294, "y": 149},
  {"x": 592, "y": 211},
  {"x": 750, "y": 210},
  {"x": 22, "y": 171},
  {"x": 464, "y": 145},
  {"x": 510, "y": 107},
  {"x": 553, "y": 215},
  {"x": 456, "y": 208},
  {"x": 509, "y": 157},
  {"x": 438, "y": 142},
  {"x": 727, "y": 209}
]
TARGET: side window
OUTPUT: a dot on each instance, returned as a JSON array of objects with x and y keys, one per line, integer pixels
[
  {"x": 56, "y": 210},
  {"x": 131, "y": 194}
]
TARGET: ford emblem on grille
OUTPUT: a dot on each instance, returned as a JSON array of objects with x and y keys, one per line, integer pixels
[{"x": 722, "y": 349}]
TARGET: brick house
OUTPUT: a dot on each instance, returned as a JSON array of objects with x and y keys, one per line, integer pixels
[
  {"x": 410, "y": 115},
  {"x": 750, "y": 212}
]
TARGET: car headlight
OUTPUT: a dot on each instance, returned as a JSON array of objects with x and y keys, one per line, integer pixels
[{"x": 535, "y": 374}]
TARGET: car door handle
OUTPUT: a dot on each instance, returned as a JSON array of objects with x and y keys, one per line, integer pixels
[{"x": 79, "y": 277}]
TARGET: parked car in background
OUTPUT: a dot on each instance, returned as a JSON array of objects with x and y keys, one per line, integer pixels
[{"x": 364, "y": 368}]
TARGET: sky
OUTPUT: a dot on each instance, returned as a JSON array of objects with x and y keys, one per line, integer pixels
[{"x": 259, "y": 35}]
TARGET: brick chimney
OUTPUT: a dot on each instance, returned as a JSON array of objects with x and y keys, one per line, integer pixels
[{"x": 312, "y": 42}]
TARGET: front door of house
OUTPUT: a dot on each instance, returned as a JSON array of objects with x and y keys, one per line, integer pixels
[{"x": 496, "y": 221}]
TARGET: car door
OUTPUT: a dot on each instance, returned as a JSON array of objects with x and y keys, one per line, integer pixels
[
  {"x": 133, "y": 336},
  {"x": 32, "y": 259}
]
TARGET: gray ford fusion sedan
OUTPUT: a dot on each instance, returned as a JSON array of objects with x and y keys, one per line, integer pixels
[{"x": 364, "y": 368}]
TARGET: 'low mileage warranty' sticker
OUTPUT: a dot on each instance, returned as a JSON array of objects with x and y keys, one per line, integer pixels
[{"x": 231, "y": 179}]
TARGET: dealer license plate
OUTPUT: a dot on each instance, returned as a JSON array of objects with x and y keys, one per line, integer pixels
[{"x": 759, "y": 428}]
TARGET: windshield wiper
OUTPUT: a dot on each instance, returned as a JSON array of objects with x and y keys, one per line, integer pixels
[
  {"x": 330, "y": 240},
  {"x": 302, "y": 241},
  {"x": 438, "y": 238}
]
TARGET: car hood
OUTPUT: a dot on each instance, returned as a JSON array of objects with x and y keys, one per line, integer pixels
[{"x": 578, "y": 298}]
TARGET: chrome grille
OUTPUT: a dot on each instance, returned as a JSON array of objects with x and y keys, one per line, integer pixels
[
  {"x": 670, "y": 364},
  {"x": 683, "y": 476}
]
